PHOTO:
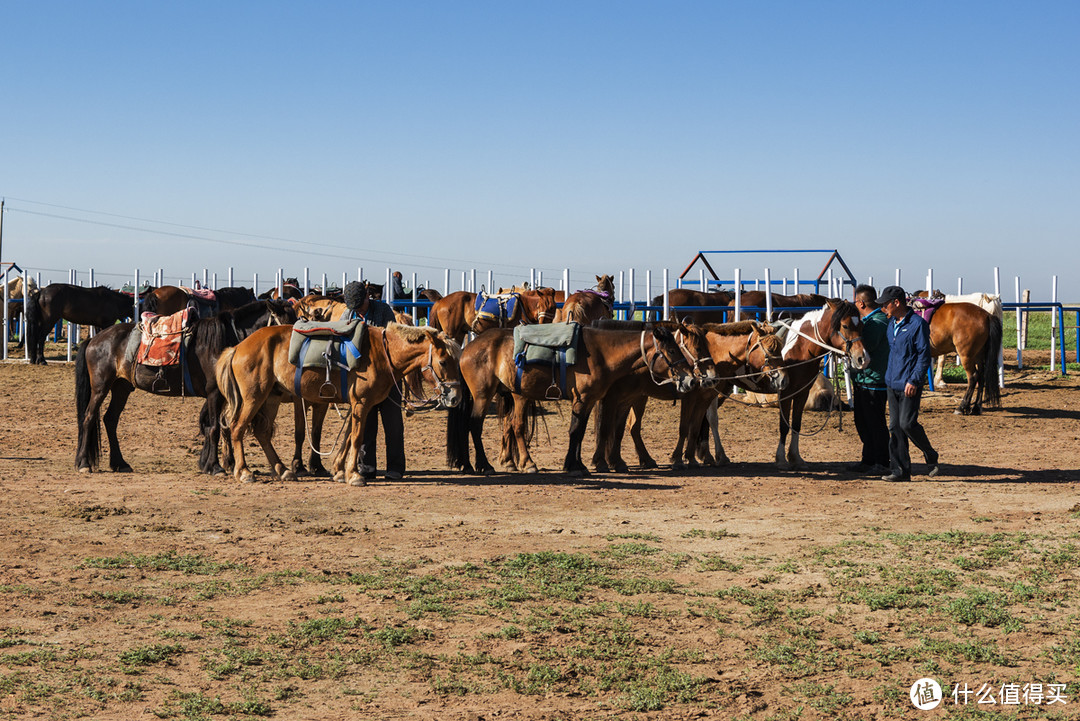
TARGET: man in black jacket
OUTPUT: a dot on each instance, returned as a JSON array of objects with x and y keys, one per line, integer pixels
[{"x": 377, "y": 313}]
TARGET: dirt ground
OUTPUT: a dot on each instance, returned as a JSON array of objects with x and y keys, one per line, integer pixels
[{"x": 67, "y": 624}]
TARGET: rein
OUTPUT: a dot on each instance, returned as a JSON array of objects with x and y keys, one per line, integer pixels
[
  {"x": 425, "y": 404},
  {"x": 649, "y": 363}
]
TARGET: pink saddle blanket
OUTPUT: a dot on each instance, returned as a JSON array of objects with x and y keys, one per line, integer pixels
[{"x": 161, "y": 339}]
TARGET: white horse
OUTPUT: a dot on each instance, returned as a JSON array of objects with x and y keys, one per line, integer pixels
[
  {"x": 15, "y": 287},
  {"x": 990, "y": 303}
]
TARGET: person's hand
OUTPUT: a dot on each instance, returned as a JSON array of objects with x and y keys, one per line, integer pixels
[{"x": 910, "y": 390}]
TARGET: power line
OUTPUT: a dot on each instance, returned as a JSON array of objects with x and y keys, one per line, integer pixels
[{"x": 355, "y": 257}]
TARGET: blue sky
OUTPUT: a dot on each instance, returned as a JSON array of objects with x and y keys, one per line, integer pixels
[{"x": 599, "y": 136}]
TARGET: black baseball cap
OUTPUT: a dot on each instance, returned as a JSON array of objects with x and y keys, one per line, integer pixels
[{"x": 891, "y": 293}]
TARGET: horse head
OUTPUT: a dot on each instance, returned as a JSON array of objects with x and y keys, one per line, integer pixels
[
  {"x": 845, "y": 331},
  {"x": 441, "y": 366},
  {"x": 766, "y": 346},
  {"x": 694, "y": 343},
  {"x": 668, "y": 350},
  {"x": 605, "y": 285}
]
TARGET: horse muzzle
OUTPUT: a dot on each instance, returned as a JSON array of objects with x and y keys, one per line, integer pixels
[
  {"x": 860, "y": 360},
  {"x": 451, "y": 396}
]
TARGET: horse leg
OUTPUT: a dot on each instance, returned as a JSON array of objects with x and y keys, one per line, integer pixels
[
  {"x": 120, "y": 393},
  {"x": 508, "y": 456},
  {"x": 579, "y": 420},
  {"x": 250, "y": 411},
  {"x": 798, "y": 403},
  {"x": 939, "y": 381},
  {"x": 87, "y": 450},
  {"x": 299, "y": 434},
  {"x": 602, "y": 434},
  {"x": 712, "y": 414},
  {"x": 353, "y": 452},
  {"x": 264, "y": 434},
  {"x": 211, "y": 431},
  {"x": 520, "y": 422},
  {"x": 972, "y": 379},
  {"x": 637, "y": 408}
]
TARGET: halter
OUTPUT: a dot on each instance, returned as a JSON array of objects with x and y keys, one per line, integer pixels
[
  {"x": 442, "y": 387},
  {"x": 690, "y": 357},
  {"x": 650, "y": 363}
]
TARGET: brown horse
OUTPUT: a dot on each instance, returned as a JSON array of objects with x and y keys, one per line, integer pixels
[
  {"x": 836, "y": 328},
  {"x": 744, "y": 353},
  {"x": 975, "y": 336},
  {"x": 680, "y": 297},
  {"x": 453, "y": 314},
  {"x": 256, "y": 376},
  {"x": 99, "y": 307},
  {"x": 291, "y": 288},
  {"x": 588, "y": 306},
  {"x": 604, "y": 357},
  {"x": 756, "y": 299},
  {"x": 530, "y": 308},
  {"x": 104, "y": 366}
]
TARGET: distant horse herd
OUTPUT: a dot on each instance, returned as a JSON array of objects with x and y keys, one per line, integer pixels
[{"x": 238, "y": 352}]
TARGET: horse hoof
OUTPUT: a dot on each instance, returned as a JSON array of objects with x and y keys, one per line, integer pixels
[
  {"x": 622, "y": 468},
  {"x": 217, "y": 471},
  {"x": 247, "y": 477},
  {"x": 122, "y": 469},
  {"x": 288, "y": 477},
  {"x": 601, "y": 468},
  {"x": 339, "y": 477},
  {"x": 649, "y": 464},
  {"x": 531, "y": 470},
  {"x": 85, "y": 469},
  {"x": 358, "y": 482}
]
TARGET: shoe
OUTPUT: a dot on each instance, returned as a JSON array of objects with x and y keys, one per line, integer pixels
[
  {"x": 880, "y": 469},
  {"x": 895, "y": 478},
  {"x": 393, "y": 475},
  {"x": 933, "y": 471},
  {"x": 859, "y": 467}
]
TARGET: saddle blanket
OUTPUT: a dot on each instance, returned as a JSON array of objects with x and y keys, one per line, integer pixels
[
  {"x": 925, "y": 308},
  {"x": 322, "y": 342},
  {"x": 161, "y": 340},
  {"x": 546, "y": 343},
  {"x": 203, "y": 295},
  {"x": 499, "y": 308}
]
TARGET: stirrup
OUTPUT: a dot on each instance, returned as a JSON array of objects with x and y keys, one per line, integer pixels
[
  {"x": 557, "y": 395},
  {"x": 160, "y": 378}
]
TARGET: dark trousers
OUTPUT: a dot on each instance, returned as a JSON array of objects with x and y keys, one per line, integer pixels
[
  {"x": 870, "y": 421},
  {"x": 393, "y": 432},
  {"x": 903, "y": 426}
]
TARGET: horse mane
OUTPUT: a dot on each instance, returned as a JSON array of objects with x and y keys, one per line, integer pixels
[
  {"x": 423, "y": 333},
  {"x": 842, "y": 310},
  {"x": 772, "y": 344},
  {"x": 739, "y": 327},
  {"x": 214, "y": 334}
]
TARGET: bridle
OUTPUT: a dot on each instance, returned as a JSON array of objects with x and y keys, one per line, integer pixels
[
  {"x": 650, "y": 363},
  {"x": 695, "y": 361},
  {"x": 442, "y": 387}
]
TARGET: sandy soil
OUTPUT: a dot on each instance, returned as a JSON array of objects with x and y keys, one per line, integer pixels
[{"x": 1011, "y": 470}]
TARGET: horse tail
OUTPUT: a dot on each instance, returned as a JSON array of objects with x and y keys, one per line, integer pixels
[
  {"x": 89, "y": 433},
  {"x": 991, "y": 387},
  {"x": 228, "y": 387},
  {"x": 35, "y": 330},
  {"x": 458, "y": 423}
]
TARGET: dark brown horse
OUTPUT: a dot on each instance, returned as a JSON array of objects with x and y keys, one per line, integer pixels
[
  {"x": 836, "y": 328},
  {"x": 975, "y": 336},
  {"x": 256, "y": 376},
  {"x": 588, "y": 306},
  {"x": 99, "y": 307},
  {"x": 169, "y": 299},
  {"x": 679, "y": 297},
  {"x": 756, "y": 299},
  {"x": 104, "y": 365},
  {"x": 604, "y": 357},
  {"x": 291, "y": 287},
  {"x": 745, "y": 353}
]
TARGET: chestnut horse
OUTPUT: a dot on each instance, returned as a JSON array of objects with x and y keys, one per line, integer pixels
[
  {"x": 256, "y": 376},
  {"x": 975, "y": 336},
  {"x": 678, "y": 297},
  {"x": 744, "y": 353},
  {"x": 455, "y": 313},
  {"x": 103, "y": 367},
  {"x": 756, "y": 299},
  {"x": 588, "y": 306},
  {"x": 836, "y": 328},
  {"x": 604, "y": 357},
  {"x": 99, "y": 307}
]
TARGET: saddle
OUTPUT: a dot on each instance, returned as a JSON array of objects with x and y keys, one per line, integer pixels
[
  {"x": 499, "y": 308},
  {"x": 925, "y": 307},
  {"x": 163, "y": 341},
  {"x": 554, "y": 344},
  {"x": 327, "y": 344}
]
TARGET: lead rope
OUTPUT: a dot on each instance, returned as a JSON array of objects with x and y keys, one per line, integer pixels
[{"x": 649, "y": 364}]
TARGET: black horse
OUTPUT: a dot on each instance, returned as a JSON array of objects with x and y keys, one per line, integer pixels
[
  {"x": 105, "y": 364},
  {"x": 100, "y": 307}
]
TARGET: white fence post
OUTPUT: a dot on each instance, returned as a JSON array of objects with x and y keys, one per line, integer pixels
[
  {"x": 1019, "y": 323},
  {"x": 667, "y": 300},
  {"x": 768, "y": 295}
]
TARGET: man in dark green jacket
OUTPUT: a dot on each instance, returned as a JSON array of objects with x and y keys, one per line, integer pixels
[{"x": 870, "y": 400}]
